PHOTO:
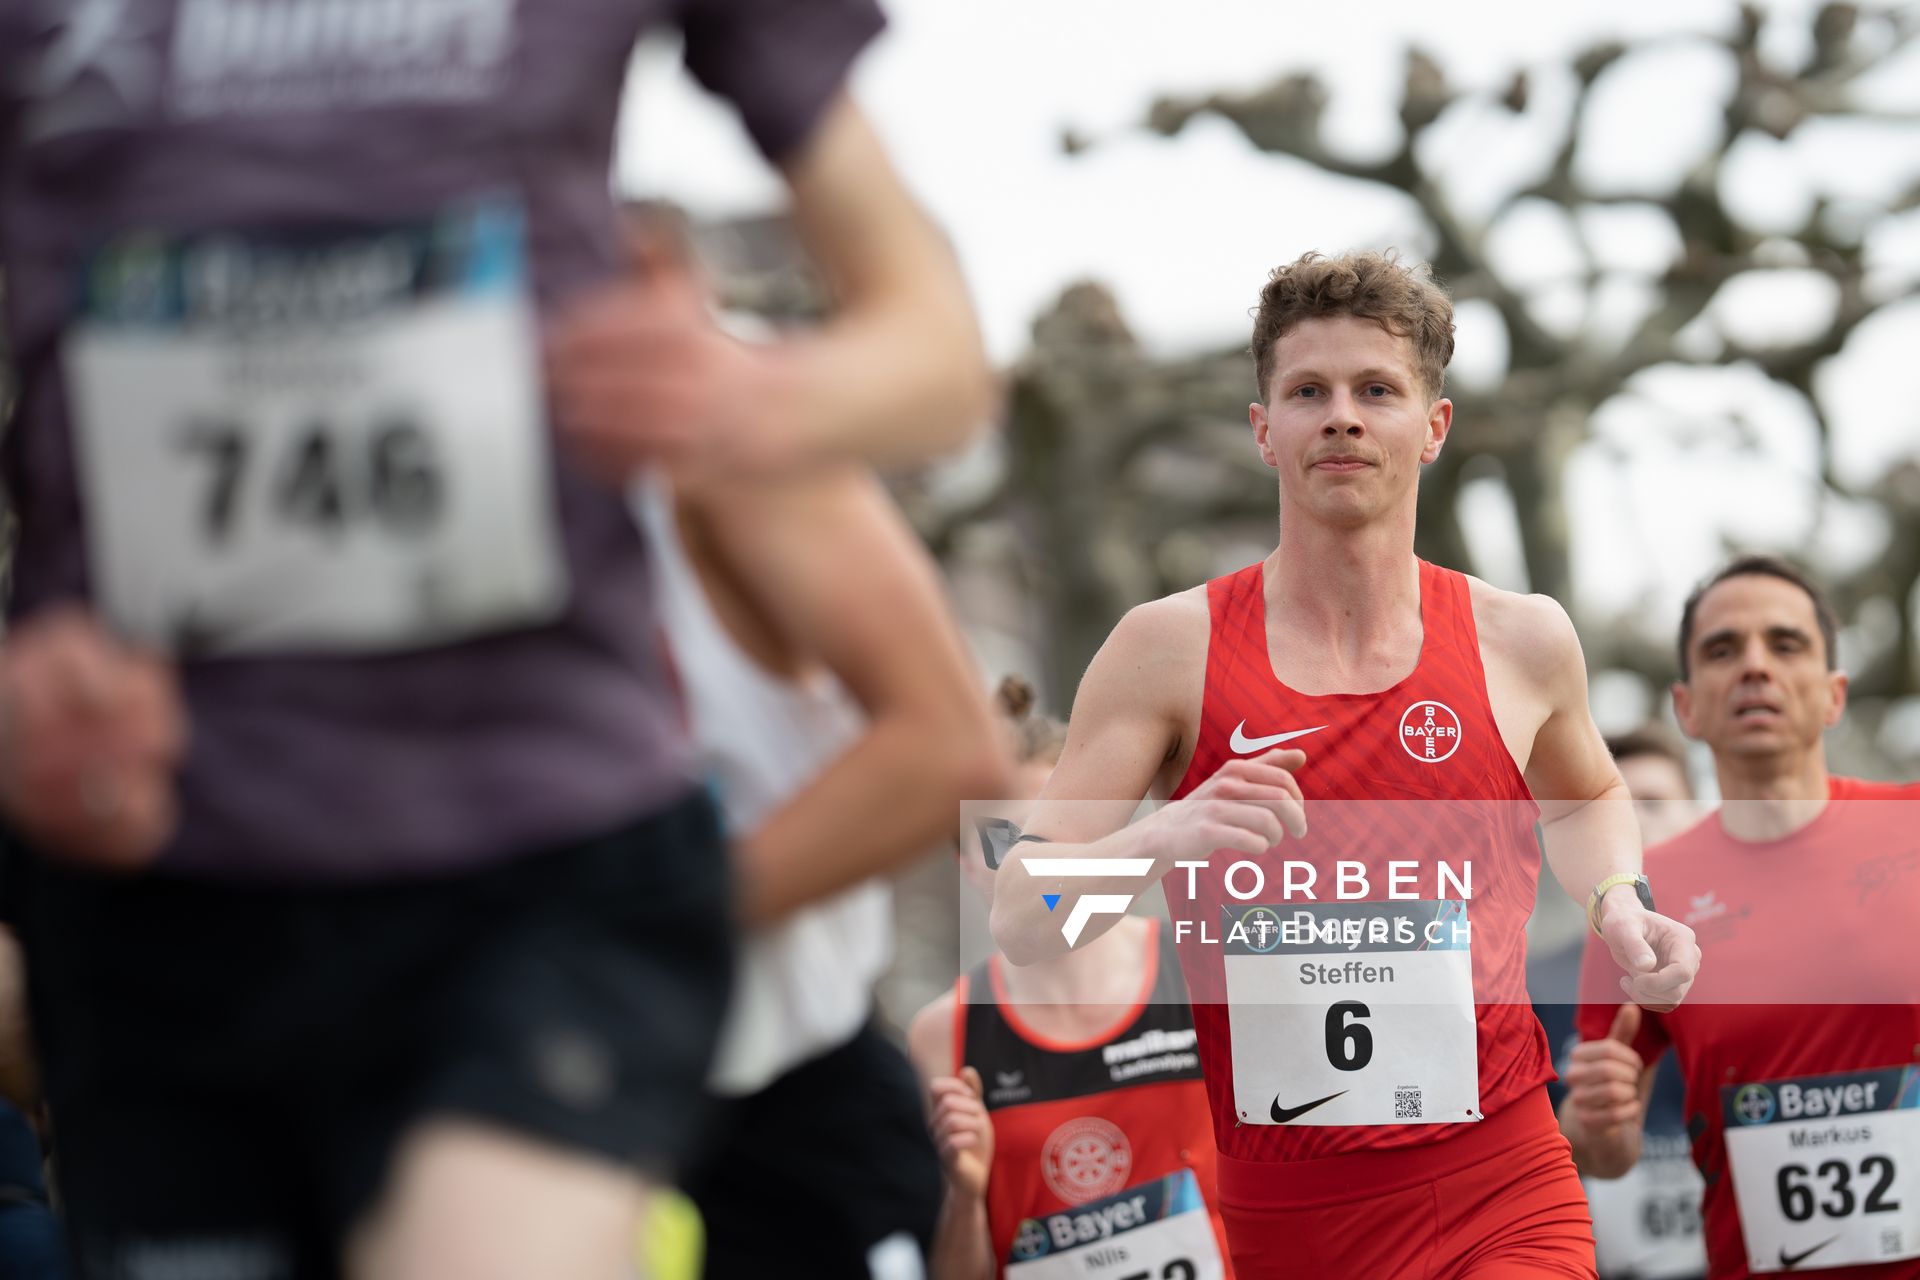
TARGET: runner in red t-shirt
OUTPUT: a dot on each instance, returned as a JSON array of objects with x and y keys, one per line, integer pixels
[
  {"x": 1800, "y": 1043},
  {"x": 1396, "y": 1124}
]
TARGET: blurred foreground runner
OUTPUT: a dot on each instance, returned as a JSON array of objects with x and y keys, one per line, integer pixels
[
  {"x": 329, "y": 618},
  {"x": 1395, "y": 1124},
  {"x": 1800, "y": 1047}
]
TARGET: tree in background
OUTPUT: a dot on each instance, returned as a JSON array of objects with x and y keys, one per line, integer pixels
[{"x": 1127, "y": 476}]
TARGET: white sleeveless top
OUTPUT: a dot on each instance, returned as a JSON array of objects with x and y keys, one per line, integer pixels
[{"x": 805, "y": 985}]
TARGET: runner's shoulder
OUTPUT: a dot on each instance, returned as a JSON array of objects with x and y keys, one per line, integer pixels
[
  {"x": 1843, "y": 788},
  {"x": 1158, "y": 648},
  {"x": 1532, "y": 633},
  {"x": 1172, "y": 627}
]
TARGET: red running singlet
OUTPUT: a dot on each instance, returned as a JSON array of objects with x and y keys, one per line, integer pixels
[{"x": 1430, "y": 738}]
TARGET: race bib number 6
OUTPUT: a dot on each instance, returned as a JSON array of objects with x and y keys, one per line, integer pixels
[
  {"x": 1826, "y": 1169},
  {"x": 1352, "y": 1013},
  {"x": 326, "y": 444}
]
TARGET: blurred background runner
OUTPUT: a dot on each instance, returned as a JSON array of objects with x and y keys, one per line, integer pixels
[{"x": 1067, "y": 1098}]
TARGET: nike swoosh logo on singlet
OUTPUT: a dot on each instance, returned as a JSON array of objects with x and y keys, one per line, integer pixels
[
  {"x": 1792, "y": 1260},
  {"x": 1242, "y": 744},
  {"x": 1282, "y": 1114}
]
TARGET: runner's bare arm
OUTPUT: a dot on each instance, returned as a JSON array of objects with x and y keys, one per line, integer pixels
[
  {"x": 1133, "y": 711},
  {"x": 898, "y": 373},
  {"x": 1585, "y": 809},
  {"x": 886, "y": 633},
  {"x": 963, "y": 1239},
  {"x": 641, "y": 375},
  {"x": 1584, "y": 805}
]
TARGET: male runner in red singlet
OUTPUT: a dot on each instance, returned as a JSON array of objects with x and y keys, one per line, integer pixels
[
  {"x": 1067, "y": 1100},
  {"x": 1800, "y": 1046},
  {"x": 1372, "y": 1136}
]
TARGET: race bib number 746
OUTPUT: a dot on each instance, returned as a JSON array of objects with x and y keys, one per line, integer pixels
[{"x": 322, "y": 443}]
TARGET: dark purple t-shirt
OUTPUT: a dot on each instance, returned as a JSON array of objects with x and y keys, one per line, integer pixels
[{"x": 192, "y": 117}]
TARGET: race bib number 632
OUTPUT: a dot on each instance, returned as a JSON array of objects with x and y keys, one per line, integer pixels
[{"x": 1826, "y": 1169}]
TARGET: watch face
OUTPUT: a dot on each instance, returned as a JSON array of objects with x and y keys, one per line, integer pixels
[{"x": 1643, "y": 891}]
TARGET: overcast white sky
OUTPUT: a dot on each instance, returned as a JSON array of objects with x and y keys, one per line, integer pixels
[{"x": 972, "y": 96}]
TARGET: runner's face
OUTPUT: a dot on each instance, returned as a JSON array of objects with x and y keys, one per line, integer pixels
[
  {"x": 1759, "y": 684},
  {"x": 1661, "y": 798},
  {"x": 1347, "y": 422}
]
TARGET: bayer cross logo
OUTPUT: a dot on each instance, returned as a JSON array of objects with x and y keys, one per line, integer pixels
[
  {"x": 1430, "y": 731},
  {"x": 1753, "y": 1104},
  {"x": 1262, "y": 929},
  {"x": 1031, "y": 1240}
]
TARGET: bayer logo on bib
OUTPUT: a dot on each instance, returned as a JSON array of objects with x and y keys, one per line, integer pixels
[{"x": 1352, "y": 1013}]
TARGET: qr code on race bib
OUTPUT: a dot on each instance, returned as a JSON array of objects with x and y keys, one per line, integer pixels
[
  {"x": 1406, "y": 1104},
  {"x": 1890, "y": 1243}
]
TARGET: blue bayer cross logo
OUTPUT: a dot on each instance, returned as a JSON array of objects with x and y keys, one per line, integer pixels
[
  {"x": 1031, "y": 1240},
  {"x": 1262, "y": 929},
  {"x": 1753, "y": 1104}
]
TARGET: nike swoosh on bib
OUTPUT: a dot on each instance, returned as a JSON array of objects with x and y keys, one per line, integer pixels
[
  {"x": 1282, "y": 1114},
  {"x": 1242, "y": 744},
  {"x": 1791, "y": 1260}
]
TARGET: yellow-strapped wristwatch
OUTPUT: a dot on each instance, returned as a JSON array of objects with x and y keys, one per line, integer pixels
[{"x": 1641, "y": 890}]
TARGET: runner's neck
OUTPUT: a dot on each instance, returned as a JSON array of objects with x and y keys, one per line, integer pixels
[
  {"x": 1771, "y": 797},
  {"x": 1347, "y": 598}
]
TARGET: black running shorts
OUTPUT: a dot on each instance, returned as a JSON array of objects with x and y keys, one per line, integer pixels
[{"x": 229, "y": 1067}]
